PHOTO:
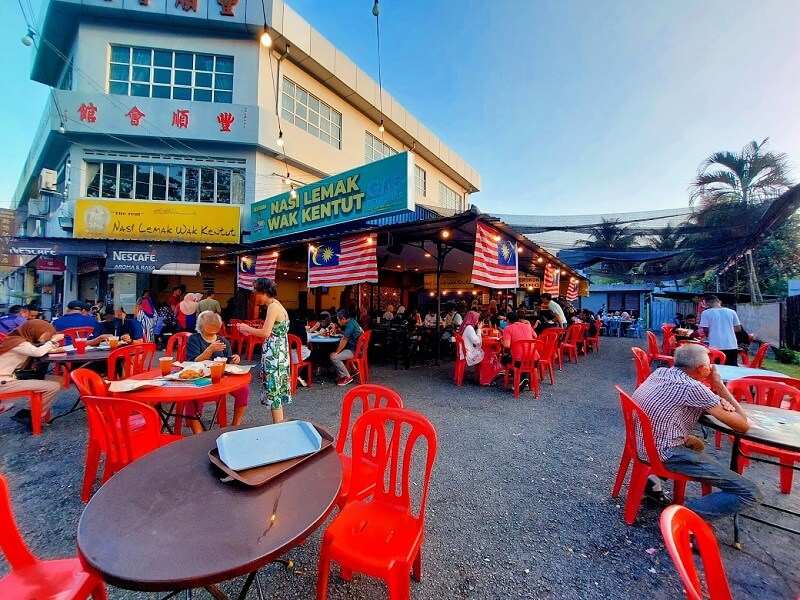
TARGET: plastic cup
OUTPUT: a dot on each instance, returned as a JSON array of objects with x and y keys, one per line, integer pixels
[
  {"x": 113, "y": 342},
  {"x": 80, "y": 345},
  {"x": 165, "y": 362},
  {"x": 217, "y": 369}
]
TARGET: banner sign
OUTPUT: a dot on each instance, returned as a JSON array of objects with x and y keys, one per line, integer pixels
[
  {"x": 529, "y": 281},
  {"x": 147, "y": 258},
  {"x": 449, "y": 281},
  {"x": 380, "y": 188},
  {"x": 54, "y": 247},
  {"x": 8, "y": 223},
  {"x": 157, "y": 221},
  {"x": 50, "y": 265}
]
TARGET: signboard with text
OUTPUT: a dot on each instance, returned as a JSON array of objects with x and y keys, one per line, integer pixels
[
  {"x": 380, "y": 188},
  {"x": 156, "y": 221},
  {"x": 147, "y": 258},
  {"x": 794, "y": 287}
]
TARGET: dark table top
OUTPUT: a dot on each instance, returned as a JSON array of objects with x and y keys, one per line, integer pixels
[
  {"x": 74, "y": 357},
  {"x": 773, "y": 426},
  {"x": 167, "y": 522}
]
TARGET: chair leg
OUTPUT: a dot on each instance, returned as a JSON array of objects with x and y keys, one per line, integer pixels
[
  {"x": 624, "y": 463},
  {"x": 417, "y": 566},
  {"x": 534, "y": 383},
  {"x": 786, "y": 473},
  {"x": 718, "y": 439},
  {"x": 635, "y": 492},
  {"x": 36, "y": 412},
  {"x": 679, "y": 491},
  {"x": 222, "y": 411},
  {"x": 90, "y": 470},
  {"x": 99, "y": 592},
  {"x": 323, "y": 571}
]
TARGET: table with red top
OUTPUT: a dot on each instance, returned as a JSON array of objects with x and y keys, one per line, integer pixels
[
  {"x": 179, "y": 395},
  {"x": 168, "y": 521}
]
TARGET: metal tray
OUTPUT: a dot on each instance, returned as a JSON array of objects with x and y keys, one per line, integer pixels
[{"x": 259, "y": 475}]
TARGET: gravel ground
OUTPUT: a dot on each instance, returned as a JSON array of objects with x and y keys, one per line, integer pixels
[{"x": 519, "y": 505}]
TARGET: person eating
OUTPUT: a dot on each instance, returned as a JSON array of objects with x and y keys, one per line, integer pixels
[{"x": 129, "y": 331}]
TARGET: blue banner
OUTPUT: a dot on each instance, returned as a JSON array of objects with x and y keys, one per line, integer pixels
[{"x": 380, "y": 188}]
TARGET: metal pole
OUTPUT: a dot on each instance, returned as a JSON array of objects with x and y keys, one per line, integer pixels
[{"x": 439, "y": 264}]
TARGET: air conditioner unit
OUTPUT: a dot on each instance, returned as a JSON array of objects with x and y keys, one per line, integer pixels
[
  {"x": 48, "y": 180},
  {"x": 38, "y": 207}
]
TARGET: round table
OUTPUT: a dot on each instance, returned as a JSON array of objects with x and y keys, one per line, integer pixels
[{"x": 166, "y": 522}]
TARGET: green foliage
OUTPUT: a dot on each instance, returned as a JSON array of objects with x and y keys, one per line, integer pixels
[{"x": 786, "y": 356}]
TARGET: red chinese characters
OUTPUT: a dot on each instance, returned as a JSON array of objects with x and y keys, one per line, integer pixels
[
  {"x": 88, "y": 112},
  {"x": 135, "y": 115},
  {"x": 225, "y": 121},
  {"x": 227, "y": 9},
  {"x": 180, "y": 119},
  {"x": 187, "y": 5}
]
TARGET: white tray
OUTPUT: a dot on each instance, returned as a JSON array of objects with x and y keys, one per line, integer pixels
[{"x": 257, "y": 446}]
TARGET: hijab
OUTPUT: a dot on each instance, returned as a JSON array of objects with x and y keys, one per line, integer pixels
[
  {"x": 29, "y": 331},
  {"x": 471, "y": 318},
  {"x": 189, "y": 304}
]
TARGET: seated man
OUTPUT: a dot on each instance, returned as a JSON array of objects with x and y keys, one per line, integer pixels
[
  {"x": 351, "y": 331},
  {"x": 127, "y": 330},
  {"x": 674, "y": 399},
  {"x": 74, "y": 317},
  {"x": 17, "y": 315}
]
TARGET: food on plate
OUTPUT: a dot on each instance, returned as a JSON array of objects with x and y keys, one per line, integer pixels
[{"x": 190, "y": 374}]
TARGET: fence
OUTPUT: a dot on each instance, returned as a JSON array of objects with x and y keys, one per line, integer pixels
[
  {"x": 762, "y": 321},
  {"x": 792, "y": 326}
]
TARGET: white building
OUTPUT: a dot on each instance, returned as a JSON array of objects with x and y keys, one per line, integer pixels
[{"x": 174, "y": 101}]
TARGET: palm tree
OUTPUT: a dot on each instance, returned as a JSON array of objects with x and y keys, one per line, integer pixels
[
  {"x": 610, "y": 235},
  {"x": 746, "y": 179}
]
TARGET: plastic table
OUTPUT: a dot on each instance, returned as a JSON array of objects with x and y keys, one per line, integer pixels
[{"x": 729, "y": 373}]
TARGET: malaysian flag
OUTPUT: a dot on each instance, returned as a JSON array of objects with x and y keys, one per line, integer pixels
[
  {"x": 572, "y": 290},
  {"x": 253, "y": 267},
  {"x": 552, "y": 280},
  {"x": 495, "y": 262},
  {"x": 343, "y": 262}
]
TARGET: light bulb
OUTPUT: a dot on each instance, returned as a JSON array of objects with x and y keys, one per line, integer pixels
[
  {"x": 293, "y": 194},
  {"x": 288, "y": 179},
  {"x": 266, "y": 38},
  {"x": 381, "y": 128},
  {"x": 27, "y": 39},
  {"x": 280, "y": 138},
  {"x": 376, "y": 10},
  {"x": 61, "y": 129}
]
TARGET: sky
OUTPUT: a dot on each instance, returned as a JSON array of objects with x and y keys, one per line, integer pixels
[{"x": 562, "y": 106}]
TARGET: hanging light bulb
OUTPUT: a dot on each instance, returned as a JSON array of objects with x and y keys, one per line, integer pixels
[
  {"x": 376, "y": 10},
  {"x": 27, "y": 39},
  {"x": 266, "y": 38},
  {"x": 381, "y": 128},
  {"x": 293, "y": 193},
  {"x": 61, "y": 129},
  {"x": 288, "y": 179},
  {"x": 280, "y": 138}
]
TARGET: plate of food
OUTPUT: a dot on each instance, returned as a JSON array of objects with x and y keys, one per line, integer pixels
[
  {"x": 237, "y": 369},
  {"x": 189, "y": 373}
]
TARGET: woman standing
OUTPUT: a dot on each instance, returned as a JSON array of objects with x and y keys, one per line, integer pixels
[
  {"x": 28, "y": 341},
  {"x": 146, "y": 315},
  {"x": 275, "y": 369},
  {"x": 187, "y": 312}
]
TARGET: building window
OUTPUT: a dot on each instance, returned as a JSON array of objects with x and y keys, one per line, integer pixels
[
  {"x": 176, "y": 183},
  {"x": 623, "y": 301},
  {"x": 310, "y": 114},
  {"x": 449, "y": 198},
  {"x": 66, "y": 78},
  {"x": 420, "y": 180},
  {"x": 375, "y": 149},
  {"x": 169, "y": 74}
]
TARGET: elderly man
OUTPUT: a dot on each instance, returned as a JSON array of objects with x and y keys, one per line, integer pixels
[
  {"x": 721, "y": 325},
  {"x": 674, "y": 399}
]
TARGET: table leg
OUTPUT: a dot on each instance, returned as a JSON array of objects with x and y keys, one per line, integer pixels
[{"x": 75, "y": 407}]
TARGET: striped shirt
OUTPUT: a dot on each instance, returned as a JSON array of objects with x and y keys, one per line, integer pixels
[{"x": 674, "y": 402}]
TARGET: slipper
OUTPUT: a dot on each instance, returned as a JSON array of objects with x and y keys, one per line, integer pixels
[{"x": 5, "y": 407}]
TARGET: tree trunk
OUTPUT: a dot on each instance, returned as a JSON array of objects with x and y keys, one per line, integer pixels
[{"x": 752, "y": 278}]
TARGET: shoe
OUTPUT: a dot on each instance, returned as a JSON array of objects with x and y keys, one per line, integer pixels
[
  {"x": 302, "y": 382},
  {"x": 659, "y": 497},
  {"x": 344, "y": 381},
  {"x": 23, "y": 417}
]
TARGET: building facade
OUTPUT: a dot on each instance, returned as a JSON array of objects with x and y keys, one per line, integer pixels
[{"x": 162, "y": 131}]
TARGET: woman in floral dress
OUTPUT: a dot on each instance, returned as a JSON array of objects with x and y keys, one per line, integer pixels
[{"x": 274, "y": 375}]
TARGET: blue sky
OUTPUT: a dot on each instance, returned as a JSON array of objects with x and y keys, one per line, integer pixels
[{"x": 563, "y": 107}]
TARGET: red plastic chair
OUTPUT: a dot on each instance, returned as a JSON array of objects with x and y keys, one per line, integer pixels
[
  {"x": 547, "y": 355},
  {"x": 758, "y": 359},
  {"x": 679, "y": 526},
  {"x": 573, "y": 336},
  {"x": 35, "y": 400},
  {"x": 360, "y": 361},
  {"x": 110, "y": 423},
  {"x": 785, "y": 379},
  {"x": 552, "y": 339},
  {"x": 652, "y": 351},
  {"x": 295, "y": 350},
  {"x": 69, "y": 338},
  {"x": 667, "y": 338},
  {"x": 31, "y": 578},
  {"x": 593, "y": 341},
  {"x": 461, "y": 360},
  {"x": 383, "y": 537},
  {"x": 716, "y": 357},
  {"x": 176, "y": 346},
  {"x": 526, "y": 353},
  {"x": 642, "y": 469},
  {"x": 766, "y": 393},
  {"x": 642, "y": 365},
  {"x": 134, "y": 359},
  {"x": 235, "y": 336},
  {"x": 368, "y": 397}
]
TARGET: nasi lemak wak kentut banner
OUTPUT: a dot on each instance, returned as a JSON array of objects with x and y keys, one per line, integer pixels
[{"x": 377, "y": 189}]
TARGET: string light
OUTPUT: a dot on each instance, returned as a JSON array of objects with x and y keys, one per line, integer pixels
[
  {"x": 376, "y": 10},
  {"x": 288, "y": 179},
  {"x": 445, "y": 234},
  {"x": 381, "y": 128},
  {"x": 280, "y": 138},
  {"x": 293, "y": 193},
  {"x": 275, "y": 254},
  {"x": 27, "y": 39},
  {"x": 266, "y": 38}
]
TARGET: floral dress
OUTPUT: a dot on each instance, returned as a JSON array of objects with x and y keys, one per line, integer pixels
[{"x": 274, "y": 375}]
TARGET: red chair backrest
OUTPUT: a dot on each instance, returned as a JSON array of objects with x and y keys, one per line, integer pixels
[
  {"x": 574, "y": 334},
  {"x": 549, "y": 339},
  {"x": 678, "y": 526},
  {"x": 461, "y": 347},
  {"x": 642, "y": 365},
  {"x": 527, "y": 352},
  {"x": 397, "y": 435},
  {"x": 14, "y": 548},
  {"x": 72, "y": 332},
  {"x": 717, "y": 357},
  {"x": 367, "y": 396},
  {"x": 176, "y": 346},
  {"x": 758, "y": 359},
  {"x": 135, "y": 359},
  {"x": 89, "y": 383},
  {"x": 110, "y": 420},
  {"x": 764, "y": 392},
  {"x": 667, "y": 338},
  {"x": 635, "y": 417},
  {"x": 652, "y": 344},
  {"x": 785, "y": 379},
  {"x": 362, "y": 345}
]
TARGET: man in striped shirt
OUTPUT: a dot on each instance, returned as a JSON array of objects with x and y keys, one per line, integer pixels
[{"x": 675, "y": 399}]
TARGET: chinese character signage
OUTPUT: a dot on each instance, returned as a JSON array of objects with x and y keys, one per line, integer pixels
[
  {"x": 380, "y": 188},
  {"x": 157, "y": 221}
]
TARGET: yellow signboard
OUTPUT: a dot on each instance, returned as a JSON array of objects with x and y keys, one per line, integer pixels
[{"x": 159, "y": 221}]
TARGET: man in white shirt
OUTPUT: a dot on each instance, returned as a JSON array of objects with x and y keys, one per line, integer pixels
[
  {"x": 555, "y": 308},
  {"x": 721, "y": 325}
]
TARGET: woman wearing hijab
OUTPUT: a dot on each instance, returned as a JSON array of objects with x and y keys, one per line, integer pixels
[
  {"x": 187, "y": 312},
  {"x": 28, "y": 341},
  {"x": 471, "y": 332},
  {"x": 471, "y": 318},
  {"x": 146, "y": 315}
]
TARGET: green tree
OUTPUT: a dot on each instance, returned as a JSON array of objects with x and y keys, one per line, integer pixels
[{"x": 611, "y": 235}]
